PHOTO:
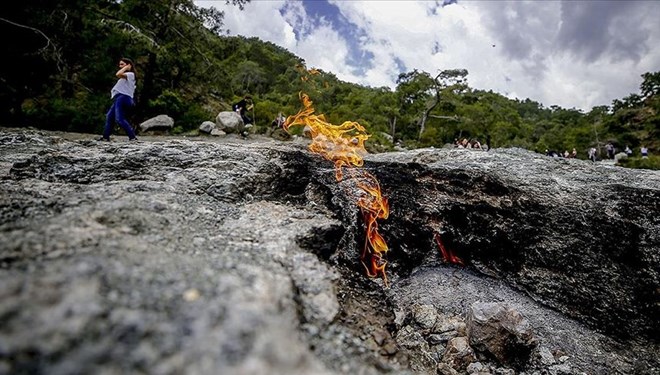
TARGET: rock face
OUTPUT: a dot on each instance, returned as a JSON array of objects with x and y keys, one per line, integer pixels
[
  {"x": 242, "y": 257},
  {"x": 581, "y": 237}
]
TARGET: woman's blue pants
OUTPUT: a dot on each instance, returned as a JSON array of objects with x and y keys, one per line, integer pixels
[{"x": 120, "y": 105}]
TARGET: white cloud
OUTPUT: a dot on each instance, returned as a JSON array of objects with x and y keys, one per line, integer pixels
[{"x": 551, "y": 52}]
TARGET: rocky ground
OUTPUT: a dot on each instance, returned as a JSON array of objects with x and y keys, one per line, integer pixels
[{"x": 240, "y": 256}]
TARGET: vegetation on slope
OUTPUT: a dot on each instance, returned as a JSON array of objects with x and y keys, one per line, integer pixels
[{"x": 58, "y": 65}]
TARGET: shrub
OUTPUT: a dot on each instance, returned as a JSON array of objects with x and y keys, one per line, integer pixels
[{"x": 652, "y": 162}]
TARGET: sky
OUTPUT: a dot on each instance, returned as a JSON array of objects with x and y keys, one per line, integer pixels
[{"x": 575, "y": 54}]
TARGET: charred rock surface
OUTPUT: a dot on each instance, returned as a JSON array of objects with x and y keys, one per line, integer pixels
[
  {"x": 241, "y": 257},
  {"x": 580, "y": 237}
]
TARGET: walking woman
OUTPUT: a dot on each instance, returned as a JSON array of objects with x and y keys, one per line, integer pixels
[{"x": 122, "y": 100}]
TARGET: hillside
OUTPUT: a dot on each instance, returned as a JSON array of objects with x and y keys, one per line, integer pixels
[{"x": 58, "y": 73}]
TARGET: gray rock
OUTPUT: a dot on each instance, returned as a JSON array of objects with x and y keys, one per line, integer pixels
[
  {"x": 229, "y": 122},
  {"x": 474, "y": 368},
  {"x": 501, "y": 331},
  {"x": 562, "y": 369},
  {"x": 547, "y": 358},
  {"x": 159, "y": 123},
  {"x": 425, "y": 316},
  {"x": 417, "y": 349},
  {"x": 217, "y": 133},
  {"x": 441, "y": 338},
  {"x": 620, "y": 156},
  {"x": 207, "y": 127}
]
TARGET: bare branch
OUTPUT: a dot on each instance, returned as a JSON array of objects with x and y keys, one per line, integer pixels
[
  {"x": 57, "y": 56},
  {"x": 48, "y": 42},
  {"x": 454, "y": 118},
  {"x": 208, "y": 62},
  {"x": 131, "y": 29}
]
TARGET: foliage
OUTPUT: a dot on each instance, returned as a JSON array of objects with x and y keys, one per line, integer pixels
[{"x": 652, "y": 162}]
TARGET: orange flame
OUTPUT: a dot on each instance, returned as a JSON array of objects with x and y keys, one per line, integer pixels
[
  {"x": 344, "y": 146},
  {"x": 447, "y": 255}
]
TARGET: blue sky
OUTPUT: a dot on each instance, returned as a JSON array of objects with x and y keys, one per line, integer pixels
[{"x": 569, "y": 53}]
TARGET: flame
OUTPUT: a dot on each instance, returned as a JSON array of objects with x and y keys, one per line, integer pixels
[
  {"x": 343, "y": 145},
  {"x": 447, "y": 255}
]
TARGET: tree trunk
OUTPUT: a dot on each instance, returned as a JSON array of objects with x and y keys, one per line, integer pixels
[
  {"x": 393, "y": 126},
  {"x": 425, "y": 116},
  {"x": 147, "y": 92}
]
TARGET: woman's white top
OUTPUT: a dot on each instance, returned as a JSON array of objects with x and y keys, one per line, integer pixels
[{"x": 124, "y": 86}]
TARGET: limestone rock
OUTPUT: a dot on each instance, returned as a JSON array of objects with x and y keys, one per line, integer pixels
[
  {"x": 229, "y": 122},
  {"x": 207, "y": 127},
  {"x": 158, "y": 123},
  {"x": 217, "y": 133},
  {"x": 620, "y": 156}
]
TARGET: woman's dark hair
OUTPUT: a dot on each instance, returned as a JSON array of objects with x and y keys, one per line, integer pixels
[{"x": 129, "y": 61}]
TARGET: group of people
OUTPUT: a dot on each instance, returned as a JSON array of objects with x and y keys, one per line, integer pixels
[
  {"x": 592, "y": 154},
  {"x": 643, "y": 151},
  {"x": 565, "y": 154},
  {"x": 474, "y": 144},
  {"x": 611, "y": 151}
]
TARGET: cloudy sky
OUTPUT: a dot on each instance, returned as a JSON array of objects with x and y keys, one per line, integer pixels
[{"x": 569, "y": 53}]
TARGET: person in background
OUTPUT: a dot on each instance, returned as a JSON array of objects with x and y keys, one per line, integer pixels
[
  {"x": 592, "y": 154},
  {"x": 122, "y": 100},
  {"x": 628, "y": 151},
  {"x": 644, "y": 151},
  {"x": 279, "y": 121},
  {"x": 574, "y": 153},
  {"x": 610, "y": 150},
  {"x": 242, "y": 107}
]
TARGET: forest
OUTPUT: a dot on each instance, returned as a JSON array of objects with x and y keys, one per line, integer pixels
[{"x": 59, "y": 58}]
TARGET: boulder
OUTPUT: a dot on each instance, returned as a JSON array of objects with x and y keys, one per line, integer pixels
[
  {"x": 217, "y": 133},
  {"x": 229, "y": 122},
  {"x": 620, "y": 156},
  {"x": 207, "y": 127},
  {"x": 158, "y": 123},
  {"x": 501, "y": 331}
]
